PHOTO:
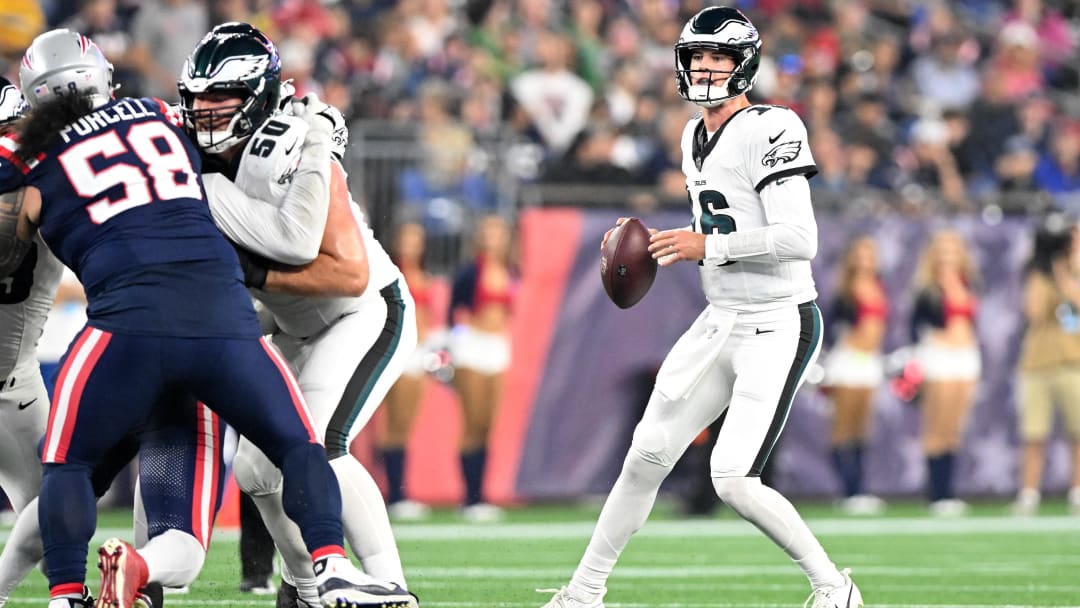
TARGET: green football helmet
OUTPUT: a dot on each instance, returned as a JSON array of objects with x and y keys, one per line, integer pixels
[
  {"x": 236, "y": 60},
  {"x": 720, "y": 29}
]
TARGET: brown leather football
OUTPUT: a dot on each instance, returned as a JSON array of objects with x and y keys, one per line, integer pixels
[{"x": 626, "y": 267}]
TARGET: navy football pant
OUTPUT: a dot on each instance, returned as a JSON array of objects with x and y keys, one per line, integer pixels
[{"x": 111, "y": 384}]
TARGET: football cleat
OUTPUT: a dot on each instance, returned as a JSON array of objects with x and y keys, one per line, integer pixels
[
  {"x": 563, "y": 599},
  {"x": 846, "y": 595},
  {"x": 341, "y": 585},
  {"x": 123, "y": 573},
  {"x": 289, "y": 597},
  {"x": 257, "y": 586},
  {"x": 86, "y": 601}
]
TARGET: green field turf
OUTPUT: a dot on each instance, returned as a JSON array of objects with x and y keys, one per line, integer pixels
[{"x": 901, "y": 559}]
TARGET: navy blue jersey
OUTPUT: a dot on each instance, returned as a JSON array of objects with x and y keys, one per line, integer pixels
[{"x": 124, "y": 207}]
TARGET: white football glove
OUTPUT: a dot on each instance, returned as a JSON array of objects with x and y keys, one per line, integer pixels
[{"x": 325, "y": 118}]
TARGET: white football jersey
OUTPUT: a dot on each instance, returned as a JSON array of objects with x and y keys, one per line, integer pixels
[
  {"x": 25, "y": 299},
  {"x": 264, "y": 173},
  {"x": 724, "y": 177}
]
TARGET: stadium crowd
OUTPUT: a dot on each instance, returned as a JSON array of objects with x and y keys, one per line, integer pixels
[{"x": 904, "y": 99}]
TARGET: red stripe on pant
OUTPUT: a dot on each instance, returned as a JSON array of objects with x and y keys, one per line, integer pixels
[
  {"x": 68, "y": 393},
  {"x": 294, "y": 389},
  {"x": 207, "y": 472}
]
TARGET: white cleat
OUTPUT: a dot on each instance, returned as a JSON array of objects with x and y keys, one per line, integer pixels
[
  {"x": 341, "y": 585},
  {"x": 563, "y": 599},
  {"x": 846, "y": 595},
  {"x": 408, "y": 510}
]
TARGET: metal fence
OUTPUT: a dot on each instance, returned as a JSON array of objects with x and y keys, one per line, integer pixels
[{"x": 389, "y": 168}]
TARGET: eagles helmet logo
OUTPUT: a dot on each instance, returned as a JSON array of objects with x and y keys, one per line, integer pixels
[{"x": 782, "y": 153}]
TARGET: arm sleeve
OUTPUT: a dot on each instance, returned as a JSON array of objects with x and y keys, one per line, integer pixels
[
  {"x": 790, "y": 236},
  {"x": 291, "y": 232}
]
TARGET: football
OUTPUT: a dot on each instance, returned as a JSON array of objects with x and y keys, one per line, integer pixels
[{"x": 626, "y": 267}]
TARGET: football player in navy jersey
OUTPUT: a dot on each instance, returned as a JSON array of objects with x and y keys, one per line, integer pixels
[{"x": 113, "y": 187}]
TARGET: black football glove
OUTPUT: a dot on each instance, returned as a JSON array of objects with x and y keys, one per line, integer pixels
[{"x": 254, "y": 266}]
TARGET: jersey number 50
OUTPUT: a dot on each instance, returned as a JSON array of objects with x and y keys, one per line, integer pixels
[{"x": 163, "y": 158}]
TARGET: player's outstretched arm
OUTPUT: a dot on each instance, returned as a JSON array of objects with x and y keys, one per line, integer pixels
[{"x": 341, "y": 267}]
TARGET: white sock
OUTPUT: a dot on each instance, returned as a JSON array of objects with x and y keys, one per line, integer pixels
[
  {"x": 365, "y": 522},
  {"x": 22, "y": 551},
  {"x": 625, "y": 511},
  {"x": 286, "y": 535},
  {"x": 774, "y": 515},
  {"x": 173, "y": 558},
  {"x": 306, "y": 588}
]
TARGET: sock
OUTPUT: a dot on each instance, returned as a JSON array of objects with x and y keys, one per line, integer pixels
[
  {"x": 774, "y": 515},
  {"x": 843, "y": 457},
  {"x": 67, "y": 513},
  {"x": 857, "y": 469},
  {"x": 934, "y": 485},
  {"x": 173, "y": 558},
  {"x": 394, "y": 462},
  {"x": 949, "y": 462},
  {"x": 22, "y": 551},
  {"x": 311, "y": 497},
  {"x": 472, "y": 468},
  {"x": 819, "y": 569},
  {"x": 256, "y": 544},
  {"x": 625, "y": 511},
  {"x": 366, "y": 524}
]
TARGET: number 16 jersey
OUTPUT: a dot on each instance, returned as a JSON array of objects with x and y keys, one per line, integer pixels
[{"x": 725, "y": 175}]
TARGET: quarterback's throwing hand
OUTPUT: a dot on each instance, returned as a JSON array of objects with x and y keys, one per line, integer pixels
[{"x": 671, "y": 246}]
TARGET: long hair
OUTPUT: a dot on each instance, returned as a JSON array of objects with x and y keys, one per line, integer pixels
[
  {"x": 846, "y": 274},
  {"x": 39, "y": 128},
  {"x": 1053, "y": 240},
  {"x": 926, "y": 272}
]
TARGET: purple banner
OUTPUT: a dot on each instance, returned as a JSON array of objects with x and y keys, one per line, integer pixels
[{"x": 602, "y": 359}]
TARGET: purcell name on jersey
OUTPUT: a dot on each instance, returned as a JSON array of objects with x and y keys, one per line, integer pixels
[
  {"x": 271, "y": 157},
  {"x": 725, "y": 175}
]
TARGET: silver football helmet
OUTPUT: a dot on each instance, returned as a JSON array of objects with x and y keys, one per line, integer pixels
[
  {"x": 11, "y": 102},
  {"x": 62, "y": 62}
]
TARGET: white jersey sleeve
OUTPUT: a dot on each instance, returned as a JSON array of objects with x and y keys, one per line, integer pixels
[
  {"x": 263, "y": 210},
  {"x": 779, "y": 148}
]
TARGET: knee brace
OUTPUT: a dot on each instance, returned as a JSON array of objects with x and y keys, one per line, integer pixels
[{"x": 255, "y": 474}]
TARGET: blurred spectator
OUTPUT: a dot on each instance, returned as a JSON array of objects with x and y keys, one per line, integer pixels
[
  {"x": 556, "y": 100},
  {"x": 1058, "y": 171},
  {"x": 430, "y": 26},
  {"x": 99, "y": 21},
  {"x": 590, "y": 160},
  {"x": 931, "y": 164},
  {"x": 853, "y": 368},
  {"x": 1050, "y": 358},
  {"x": 20, "y": 22},
  {"x": 480, "y": 307},
  {"x": 1056, "y": 38},
  {"x": 446, "y": 188},
  {"x": 164, "y": 33},
  {"x": 946, "y": 78},
  {"x": 992, "y": 120},
  {"x": 403, "y": 400},
  {"x": 947, "y": 350},
  {"x": 1016, "y": 61}
]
